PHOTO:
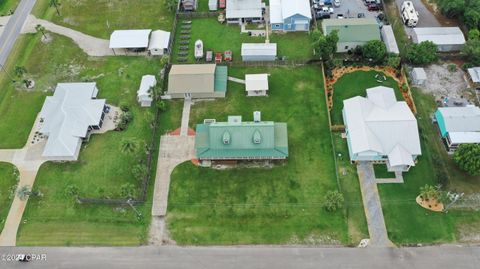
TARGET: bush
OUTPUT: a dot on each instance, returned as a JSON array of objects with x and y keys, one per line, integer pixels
[
  {"x": 423, "y": 53},
  {"x": 472, "y": 51},
  {"x": 452, "y": 68},
  {"x": 162, "y": 106},
  {"x": 467, "y": 157},
  {"x": 333, "y": 201},
  {"x": 71, "y": 190},
  {"x": 125, "y": 119},
  {"x": 127, "y": 190},
  {"x": 393, "y": 61},
  {"x": 140, "y": 171},
  {"x": 124, "y": 107},
  {"x": 374, "y": 51}
]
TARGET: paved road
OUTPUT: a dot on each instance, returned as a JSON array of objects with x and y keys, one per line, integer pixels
[
  {"x": 445, "y": 257},
  {"x": 372, "y": 205},
  {"x": 13, "y": 28},
  {"x": 425, "y": 17}
]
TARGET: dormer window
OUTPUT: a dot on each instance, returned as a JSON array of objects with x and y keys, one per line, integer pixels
[
  {"x": 257, "y": 137},
  {"x": 226, "y": 138}
]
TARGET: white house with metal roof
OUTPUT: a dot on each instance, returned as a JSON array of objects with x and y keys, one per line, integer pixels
[
  {"x": 259, "y": 52},
  {"x": 144, "y": 94},
  {"x": 459, "y": 125},
  {"x": 130, "y": 39},
  {"x": 256, "y": 84},
  {"x": 381, "y": 129},
  {"x": 67, "y": 118},
  {"x": 242, "y": 11},
  {"x": 288, "y": 15},
  {"x": 446, "y": 38},
  {"x": 159, "y": 42}
]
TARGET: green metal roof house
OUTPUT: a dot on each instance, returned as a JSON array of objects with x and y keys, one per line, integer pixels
[
  {"x": 237, "y": 140},
  {"x": 352, "y": 32}
]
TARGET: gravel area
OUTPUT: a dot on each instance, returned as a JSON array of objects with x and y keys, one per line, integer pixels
[{"x": 441, "y": 82}]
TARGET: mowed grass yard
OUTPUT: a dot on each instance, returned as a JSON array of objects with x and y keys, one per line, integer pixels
[
  {"x": 258, "y": 205},
  {"x": 221, "y": 37},
  {"x": 8, "y": 180},
  {"x": 100, "y": 18},
  {"x": 356, "y": 84},
  {"x": 55, "y": 219},
  {"x": 409, "y": 223},
  {"x": 6, "y": 6}
]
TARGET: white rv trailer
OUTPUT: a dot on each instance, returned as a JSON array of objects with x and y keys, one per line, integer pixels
[{"x": 409, "y": 14}]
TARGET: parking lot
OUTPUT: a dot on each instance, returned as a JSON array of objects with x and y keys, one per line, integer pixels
[{"x": 351, "y": 8}]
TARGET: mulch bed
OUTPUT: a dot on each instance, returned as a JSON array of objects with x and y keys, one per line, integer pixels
[{"x": 431, "y": 204}]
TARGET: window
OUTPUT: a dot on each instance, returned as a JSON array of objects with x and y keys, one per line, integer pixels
[
  {"x": 346, "y": 47},
  {"x": 276, "y": 25}
]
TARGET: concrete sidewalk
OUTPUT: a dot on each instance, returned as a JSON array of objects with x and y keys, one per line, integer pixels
[{"x": 372, "y": 206}]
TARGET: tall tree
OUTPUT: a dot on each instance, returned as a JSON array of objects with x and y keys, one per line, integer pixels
[
  {"x": 374, "y": 50},
  {"x": 472, "y": 51},
  {"x": 325, "y": 45},
  {"x": 54, "y": 3},
  {"x": 467, "y": 157}
]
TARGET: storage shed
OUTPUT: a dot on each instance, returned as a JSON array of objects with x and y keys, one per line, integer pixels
[
  {"x": 389, "y": 39},
  {"x": 259, "y": 52},
  {"x": 159, "y": 41},
  {"x": 241, "y": 11},
  {"x": 212, "y": 5},
  {"x": 130, "y": 39},
  {"x": 144, "y": 94},
  {"x": 446, "y": 38},
  {"x": 474, "y": 74},
  {"x": 197, "y": 81},
  {"x": 419, "y": 77},
  {"x": 256, "y": 84}
]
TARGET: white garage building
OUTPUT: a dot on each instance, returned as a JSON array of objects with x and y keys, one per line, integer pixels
[{"x": 256, "y": 84}]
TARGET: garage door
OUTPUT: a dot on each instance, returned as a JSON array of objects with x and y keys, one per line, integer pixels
[{"x": 301, "y": 25}]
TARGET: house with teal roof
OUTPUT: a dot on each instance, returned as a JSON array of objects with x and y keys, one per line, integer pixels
[
  {"x": 241, "y": 140},
  {"x": 458, "y": 125},
  {"x": 352, "y": 32}
]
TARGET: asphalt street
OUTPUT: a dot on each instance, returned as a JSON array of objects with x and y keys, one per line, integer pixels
[
  {"x": 13, "y": 28},
  {"x": 438, "y": 257}
]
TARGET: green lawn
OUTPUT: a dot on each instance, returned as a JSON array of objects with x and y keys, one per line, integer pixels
[
  {"x": 263, "y": 206},
  {"x": 406, "y": 221},
  {"x": 222, "y": 37},
  {"x": 101, "y": 17},
  {"x": 8, "y": 180},
  {"x": 382, "y": 172},
  {"x": 347, "y": 174},
  {"x": 55, "y": 219},
  {"x": 356, "y": 84},
  {"x": 6, "y": 6}
]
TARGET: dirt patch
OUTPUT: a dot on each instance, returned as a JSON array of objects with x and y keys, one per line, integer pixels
[
  {"x": 314, "y": 240},
  {"x": 442, "y": 82},
  {"x": 468, "y": 232}
]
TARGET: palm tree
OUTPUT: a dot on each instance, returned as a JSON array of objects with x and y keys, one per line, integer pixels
[
  {"x": 129, "y": 145},
  {"x": 429, "y": 192},
  {"x": 55, "y": 4},
  {"x": 23, "y": 192},
  {"x": 41, "y": 29}
]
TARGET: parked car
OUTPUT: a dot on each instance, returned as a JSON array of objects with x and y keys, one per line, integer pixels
[
  {"x": 340, "y": 16},
  {"x": 368, "y": 2},
  {"x": 336, "y": 3},
  {"x": 361, "y": 15},
  {"x": 373, "y": 7},
  {"x": 322, "y": 15},
  {"x": 222, "y": 4}
]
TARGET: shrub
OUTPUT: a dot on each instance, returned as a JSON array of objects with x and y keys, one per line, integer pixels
[
  {"x": 423, "y": 53},
  {"x": 333, "y": 201},
  {"x": 127, "y": 190},
  {"x": 140, "y": 171},
  {"x": 467, "y": 157},
  {"x": 124, "y": 107},
  {"x": 374, "y": 51},
  {"x": 452, "y": 68},
  {"x": 125, "y": 119},
  {"x": 162, "y": 106},
  {"x": 71, "y": 190}
]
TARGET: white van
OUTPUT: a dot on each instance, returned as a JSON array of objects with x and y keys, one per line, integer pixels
[{"x": 409, "y": 14}]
